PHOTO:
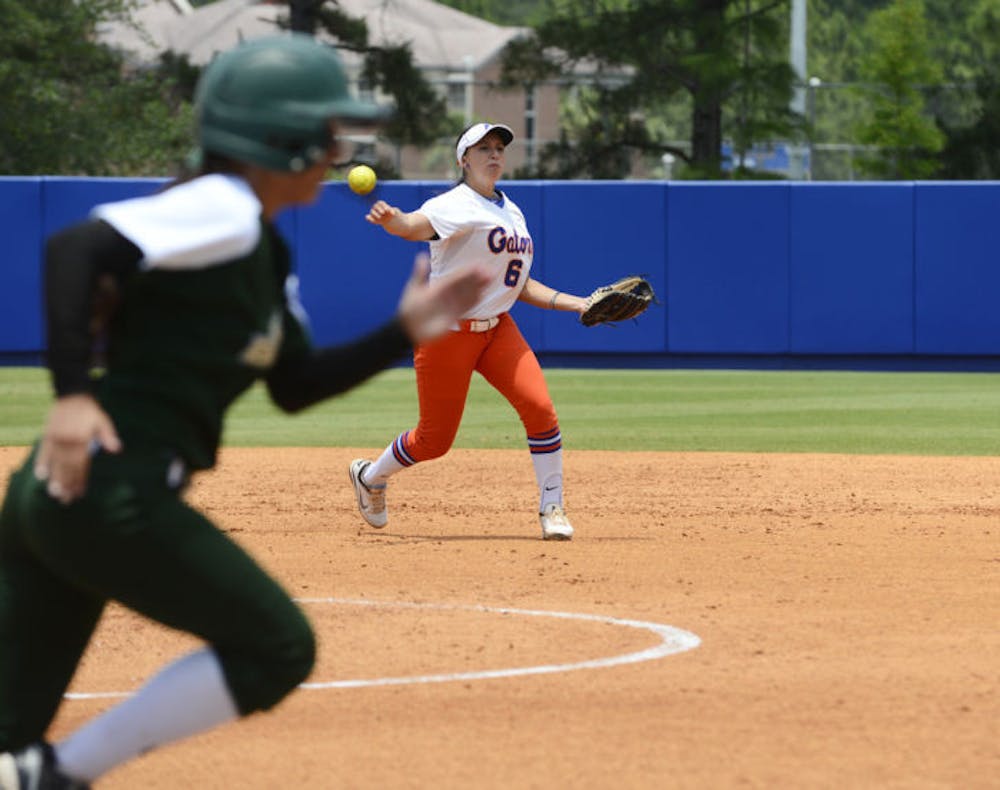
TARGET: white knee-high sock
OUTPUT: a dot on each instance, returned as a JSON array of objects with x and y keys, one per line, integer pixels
[
  {"x": 185, "y": 698},
  {"x": 387, "y": 464},
  {"x": 548, "y": 474}
]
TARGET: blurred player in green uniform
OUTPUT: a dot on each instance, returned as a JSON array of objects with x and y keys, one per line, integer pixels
[{"x": 204, "y": 305}]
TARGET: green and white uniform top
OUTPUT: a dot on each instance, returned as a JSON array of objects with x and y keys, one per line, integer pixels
[{"x": 211, "y": 311}]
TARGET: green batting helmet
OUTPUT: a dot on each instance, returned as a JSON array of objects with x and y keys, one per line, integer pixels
[{"x": 270, "y": 101}]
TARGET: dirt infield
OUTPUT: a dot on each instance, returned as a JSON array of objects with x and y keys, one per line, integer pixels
[{"x": 848, "y": 610}]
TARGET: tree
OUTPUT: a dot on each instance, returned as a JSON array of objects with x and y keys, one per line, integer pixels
[
  {"x": 899, "y": 68},
  {"x": 69, "y": 104},
  {"x": 501, "y": 12},
  {"x": 961, "y": 45},
  {"x": 725, "y": 59},
  {"x": 421, "y": 115},
  {"x": 835, "y": 48},
  {"x": 970, "y": 151},
  {"x": 759, "y": 109}
]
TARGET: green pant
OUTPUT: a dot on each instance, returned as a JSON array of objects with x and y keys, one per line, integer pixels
[{"x": 131, "y": 539}]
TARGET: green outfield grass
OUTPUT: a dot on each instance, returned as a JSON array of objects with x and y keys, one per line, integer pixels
[{"x": 754, "y": 411}]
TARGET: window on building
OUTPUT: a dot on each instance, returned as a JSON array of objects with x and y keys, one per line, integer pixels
[
  {"x": 529, "y": 124},
  {"x": 456, "y": 96}
]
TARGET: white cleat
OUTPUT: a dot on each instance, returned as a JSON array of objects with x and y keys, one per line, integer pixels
[
  {"x": 371, "y": 499},
  {"x": 9, "y": 779},
  {"x": 555, "y": 525},
  {"x": 35, "y": 768}
]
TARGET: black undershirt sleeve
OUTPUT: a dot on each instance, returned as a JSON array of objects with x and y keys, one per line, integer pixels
[
  {"x": 306, "y": 379},
  {"x": 78, "y": 258},
  {"x": 76, "y": 261}
]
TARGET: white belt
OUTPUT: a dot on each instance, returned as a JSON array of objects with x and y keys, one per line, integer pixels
[{"x": 478, "y": 324}]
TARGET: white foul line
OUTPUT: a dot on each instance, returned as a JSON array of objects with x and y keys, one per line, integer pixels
[{"x": 673, "y": 640}]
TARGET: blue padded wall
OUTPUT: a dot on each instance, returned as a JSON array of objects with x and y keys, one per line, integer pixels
[
  {"x": 20, "y": 274},
  {"x": 728, "y": 268},
  {"x": 69, "y": 200},
  {"x": 957, "y": 268},
  {"x": 352, "y": 272},
  {"x": 597, "y": 232},
  {"x": 851, "y": 269},
  {"x": 743, "y": 270}
]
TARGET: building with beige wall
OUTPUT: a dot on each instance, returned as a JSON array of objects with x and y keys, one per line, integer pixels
[{"x": 459, "y": 54}]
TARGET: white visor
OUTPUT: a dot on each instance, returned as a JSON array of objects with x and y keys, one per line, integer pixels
[{"x": 476, "y": 133}]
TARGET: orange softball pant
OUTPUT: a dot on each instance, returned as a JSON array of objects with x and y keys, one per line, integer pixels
[{"x": 444, "y": 370}]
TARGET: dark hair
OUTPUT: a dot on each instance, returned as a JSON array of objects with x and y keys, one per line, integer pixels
[{"x": 461, "y": 176}]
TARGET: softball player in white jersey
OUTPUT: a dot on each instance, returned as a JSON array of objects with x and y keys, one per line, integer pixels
[{"x": 474, "y": 222}]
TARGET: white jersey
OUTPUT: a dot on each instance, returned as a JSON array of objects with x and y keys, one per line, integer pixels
[{"x": 473, "y": 228}]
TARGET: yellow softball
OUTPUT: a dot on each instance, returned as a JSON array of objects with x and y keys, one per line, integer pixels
[{"x": 361, "y": 179}]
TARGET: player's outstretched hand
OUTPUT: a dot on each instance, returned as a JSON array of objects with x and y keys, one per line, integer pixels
[
  {"x": 381, "y": 213},
  {"x": 76, "y": 424},
  {"x": 430, "y": 308}
]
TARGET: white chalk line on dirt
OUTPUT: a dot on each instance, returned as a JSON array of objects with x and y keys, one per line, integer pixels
[{"x": 672, "y": 640}]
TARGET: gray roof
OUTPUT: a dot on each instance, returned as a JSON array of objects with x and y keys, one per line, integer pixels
[
  {"x": 440, "y": 37},
  {"x": 142, "y": 38}
]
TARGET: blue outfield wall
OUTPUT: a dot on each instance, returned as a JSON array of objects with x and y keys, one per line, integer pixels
[
  {"x": 748, "y": 274},
  {"x": 20, "y": 275}
]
